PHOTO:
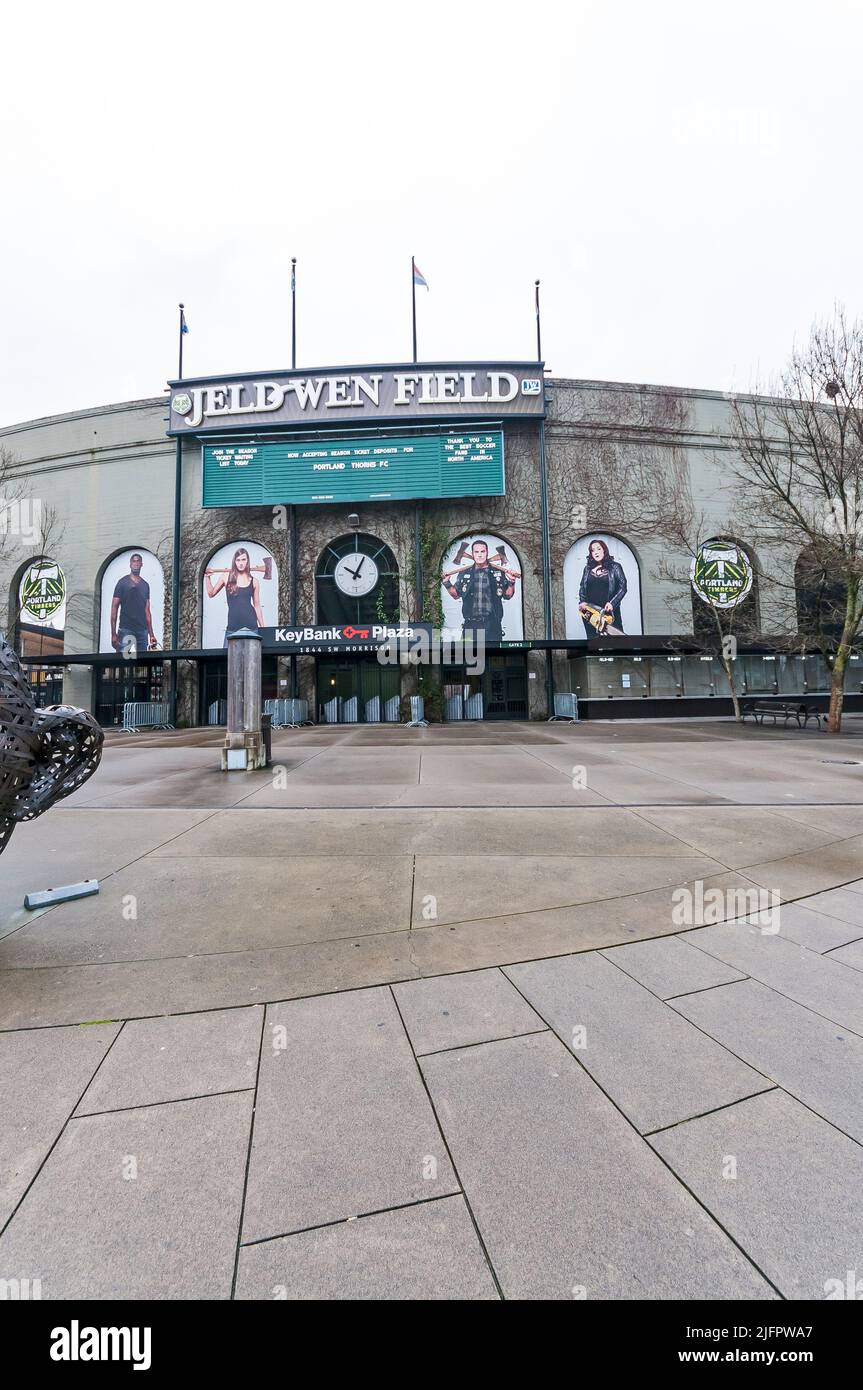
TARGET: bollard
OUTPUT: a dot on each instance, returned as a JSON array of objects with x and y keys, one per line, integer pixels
[{"x": 244, "y": 749}]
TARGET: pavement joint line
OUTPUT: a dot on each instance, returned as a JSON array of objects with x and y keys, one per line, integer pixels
[
  {"x": 348, "y": 1220},
  {"x": 855, "y": 1139},
  {"x": 711, "y": 1215},
  {"x": 481, "y": 1042},
  {"x": 606, "y": 953},
  {"x": 706, "y": 803},
  {"x": 449, "y": 1153},
  {"x": 856, "y": 1032},
  {"x": 844, "y": 943},
  {"x": 715, "y": 1110},
  {"x": 242, "y": 1212},
  {"x": 155, "y": 1104},
  {"x": 4, "y": 1226}
]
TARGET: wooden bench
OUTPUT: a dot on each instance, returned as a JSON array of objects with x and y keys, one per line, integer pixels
[{"x": 777, "y": 709}]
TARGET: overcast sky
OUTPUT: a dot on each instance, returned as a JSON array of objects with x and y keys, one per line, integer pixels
[{"x": 683, "y": 178}]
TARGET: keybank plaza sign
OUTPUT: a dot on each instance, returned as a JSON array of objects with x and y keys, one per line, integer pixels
[{"x": 372, "y": 394}]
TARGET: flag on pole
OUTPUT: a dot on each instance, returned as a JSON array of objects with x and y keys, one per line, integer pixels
[
  {"x": 184, "y": 327},
  {"x": 419, "y": 278}
]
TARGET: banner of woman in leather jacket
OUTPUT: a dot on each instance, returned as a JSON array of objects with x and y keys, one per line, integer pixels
[{"x": 602, "y": 588}]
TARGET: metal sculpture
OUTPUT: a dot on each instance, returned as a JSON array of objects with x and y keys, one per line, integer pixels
[{"x": 45, "y": 754}]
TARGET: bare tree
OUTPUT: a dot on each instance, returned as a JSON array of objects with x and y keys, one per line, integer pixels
[{"x": 799, "y": 471}]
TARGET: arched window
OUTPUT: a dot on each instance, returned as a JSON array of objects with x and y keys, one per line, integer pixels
[
  {"x": 356, "y": 581},
  {"x": 820, "y": 600},
  {"x": 601, "y": 569}
]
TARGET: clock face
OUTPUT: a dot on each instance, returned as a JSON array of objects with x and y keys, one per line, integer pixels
[{"x": 356, "y": 574}]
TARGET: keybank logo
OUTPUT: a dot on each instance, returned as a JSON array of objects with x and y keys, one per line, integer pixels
[{"x": 77, "y": 1343}]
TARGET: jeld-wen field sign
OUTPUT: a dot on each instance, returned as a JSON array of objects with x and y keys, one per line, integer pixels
[{"x": 370, "y": 468}]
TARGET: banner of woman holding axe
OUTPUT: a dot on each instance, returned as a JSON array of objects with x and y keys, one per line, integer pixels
[
  {"x": 482, "y": 580},
  {"x": 242, "y": 588}
]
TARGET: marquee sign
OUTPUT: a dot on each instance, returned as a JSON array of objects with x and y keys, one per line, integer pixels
[
  {"x": 372, "y": 468},
  {"x": 432, "y": 391}
]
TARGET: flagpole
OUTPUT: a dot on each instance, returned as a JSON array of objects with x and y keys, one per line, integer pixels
[
  {"x": 293, "y": 311},
  {"x": 175, "y": 561},
  {"x": 180, "y": 368},
  {"x": 538, "y": 328},
  {"x": 414, "y": 303}
]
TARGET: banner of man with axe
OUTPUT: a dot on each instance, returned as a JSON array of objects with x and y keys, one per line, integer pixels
[{"x": 481, "y": 582}]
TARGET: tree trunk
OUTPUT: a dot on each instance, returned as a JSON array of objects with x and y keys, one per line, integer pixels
[
  {"x": 840, "y": 663},
  {"x": 837, "y": 689},
  {"x": 729, "y": 672}
]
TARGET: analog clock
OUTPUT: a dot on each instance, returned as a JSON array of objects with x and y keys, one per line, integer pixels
[{"x": 356, "y": 574}]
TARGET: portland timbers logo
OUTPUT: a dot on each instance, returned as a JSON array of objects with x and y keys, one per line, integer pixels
[
  {"x": 43, "y": 590},
  {"x": 721, "y": 574}
]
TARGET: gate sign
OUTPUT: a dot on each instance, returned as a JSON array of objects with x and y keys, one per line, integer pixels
[
  {"x": 721, "y": 574},
  {"x": 43, "y": 592}
]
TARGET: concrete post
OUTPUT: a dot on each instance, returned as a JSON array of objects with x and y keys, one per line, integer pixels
[{"x": 244, "y": 747}]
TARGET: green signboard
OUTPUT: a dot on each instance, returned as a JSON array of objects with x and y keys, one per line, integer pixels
[{"x": 371, "y": 469}]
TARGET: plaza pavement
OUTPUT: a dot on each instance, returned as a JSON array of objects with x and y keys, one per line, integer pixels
[{"x": 412, "y": 1015}]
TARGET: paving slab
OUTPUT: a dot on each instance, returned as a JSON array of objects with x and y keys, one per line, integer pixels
[
  {"x": 417, "y": 830},
  {"x": 813, "y": 871},
  {"x": 631, "y": 1042},
  {"x": 476, "y": 886},
  {"x": 821, "y": 983},
  {"x": 43, "y": 1072},
  {"x": 343, "y": 1126},
  {"x": 736, "y": 836},
  {"x": 456, "y": 1010},
  {"x": 850, "y": 955},
  {"x": 840, "y": 821},
  {"x": 74, "y": 845},
  {"x": 196, "y": 907},
  {"x": 180, "y": 984},
  {"x": 88, "y": 1229},
  {"x": 670, "y": 966},
  {"x": 814, "y": 930},
  {"x": 793, "y": 1203},
  {"x": 808, "y": 1056},
  {"x": 427, "y": 1251},
  {"x": 845, "y": 904},
  {"x": 567, "y": 1197},
  {"x": 508, "y": 939},
  {"x": 160, "y": 1059}
]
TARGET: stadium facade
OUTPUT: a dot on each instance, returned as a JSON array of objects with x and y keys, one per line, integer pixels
[{"x": 326, "y": 507}]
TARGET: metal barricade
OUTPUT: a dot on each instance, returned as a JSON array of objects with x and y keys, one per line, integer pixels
[
  {"x": 146, "y": 714},
  {"x": 565, "y": 706}
]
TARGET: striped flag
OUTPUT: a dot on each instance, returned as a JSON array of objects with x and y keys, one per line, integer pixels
[{"x": 419, "y": 278}]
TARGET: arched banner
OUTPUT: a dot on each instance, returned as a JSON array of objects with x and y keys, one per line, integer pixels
[
  {"x": 41, "y": 608},
  {"x": 481, "y": 588},
  {"x": 240, "y": 589},
  {"x": 132, "y": 613},
  {"x": 601, "y": 588}
]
